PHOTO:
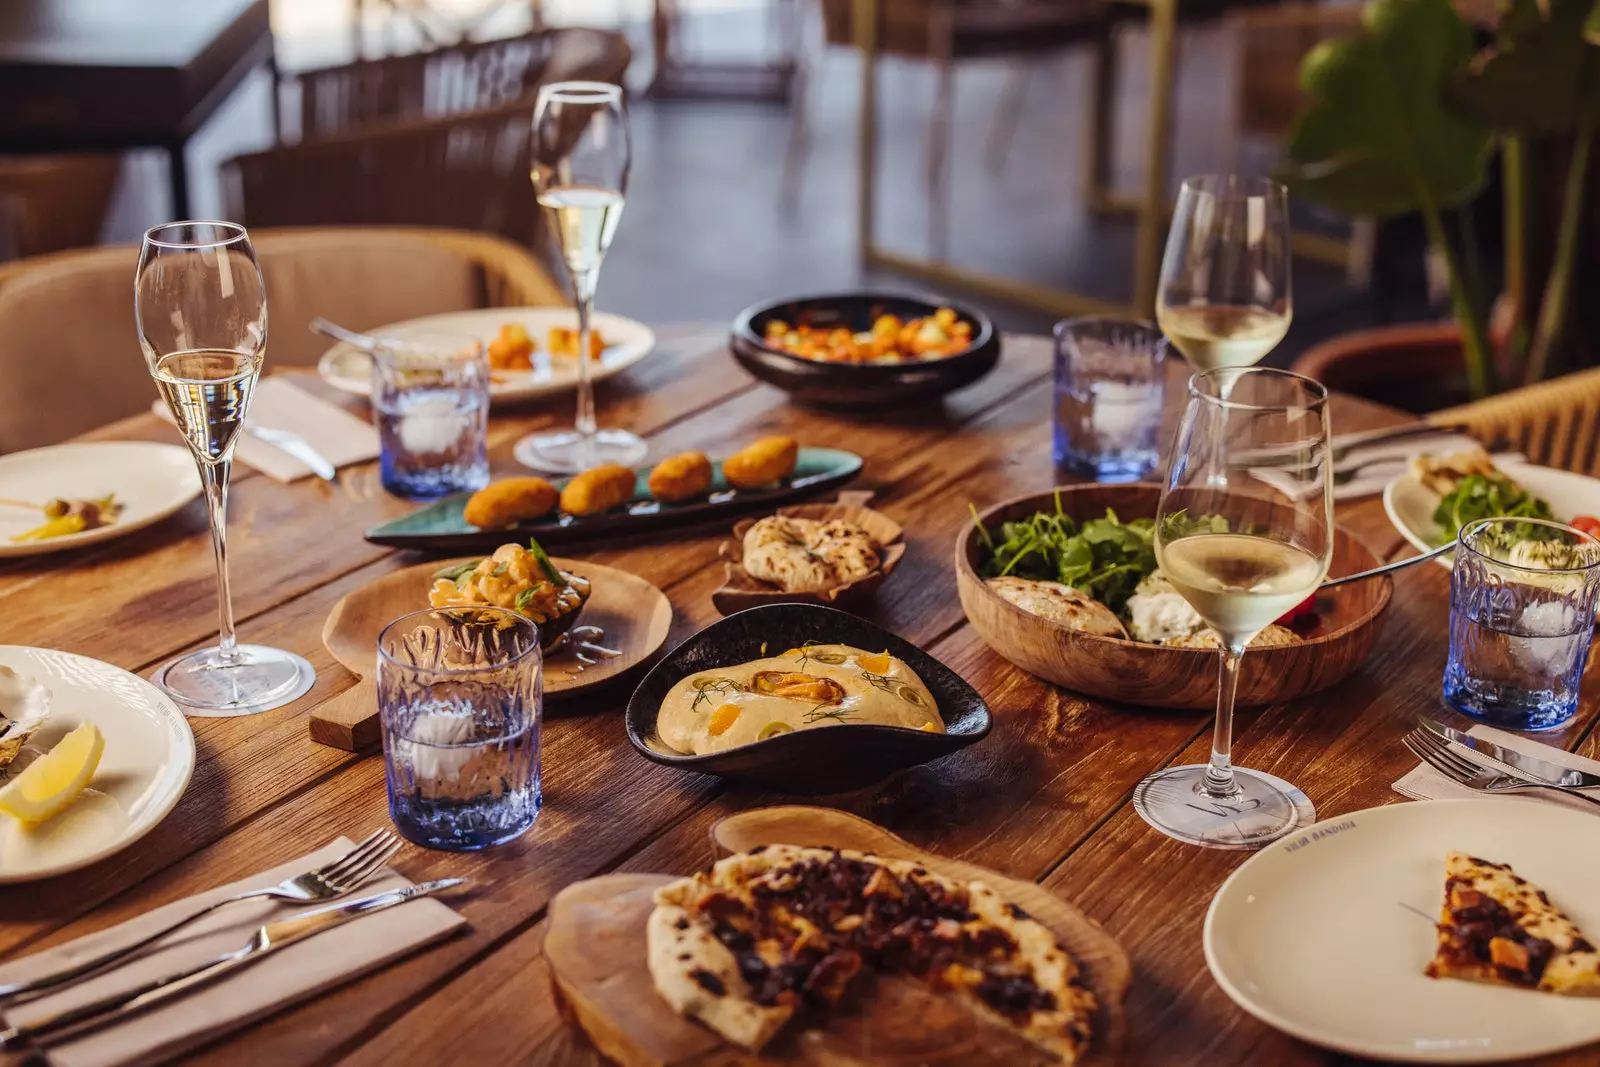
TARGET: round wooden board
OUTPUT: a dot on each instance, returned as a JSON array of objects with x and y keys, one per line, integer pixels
[
  {"x": 634, "y": 614},
  {"x": 1132, "y": 672},
  {"x": 595, "y": 948}
]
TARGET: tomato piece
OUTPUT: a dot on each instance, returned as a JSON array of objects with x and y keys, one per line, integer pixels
[
  {"x": 1305, "y": 607},
  {"x": 1586, "y": 524}
]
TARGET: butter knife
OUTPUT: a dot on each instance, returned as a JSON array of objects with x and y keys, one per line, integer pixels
[
  {"x": 1519, "y": 764},
  {"x": 298, "y": 447},
  {"x": 267, "y": 940}
]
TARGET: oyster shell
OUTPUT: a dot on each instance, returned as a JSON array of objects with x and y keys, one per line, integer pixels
[{"x": 24, "y": 706}]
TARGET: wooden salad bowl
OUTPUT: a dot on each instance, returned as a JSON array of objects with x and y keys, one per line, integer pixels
[
  {"x": 740, "y": 591},
  {"x": 1132, "y": 672}
]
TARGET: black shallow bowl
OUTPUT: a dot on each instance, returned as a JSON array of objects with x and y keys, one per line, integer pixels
[
  {"x": 860, "y": 384},
  {"x": 825, "y": 759}
]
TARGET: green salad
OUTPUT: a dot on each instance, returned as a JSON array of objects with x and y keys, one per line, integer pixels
[
  {"x": 1105, "y": 558},
  {"x": 1486, "y": 497}
]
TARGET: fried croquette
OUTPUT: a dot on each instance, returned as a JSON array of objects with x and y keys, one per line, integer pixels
[
  {"x": 564, "y": 343},
  {"x": 512, "y": 348},
  {"x": 681, "y": 477},
  {"x": 509, "y": 501},
  {"x": 761, "y": 463},
  {"x": 597, "y": 490}
]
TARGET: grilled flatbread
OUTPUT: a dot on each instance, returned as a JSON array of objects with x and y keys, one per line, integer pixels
[{"x": 1059, "y": 603}]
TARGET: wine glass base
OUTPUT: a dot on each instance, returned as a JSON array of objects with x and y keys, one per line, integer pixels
[
  {"x": 1265, "y": 808},
  {"x": 568, "y": 452},
  {"x": 254, "y": 679}
]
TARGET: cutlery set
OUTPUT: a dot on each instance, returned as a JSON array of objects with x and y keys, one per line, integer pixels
[
  {"x": 329, "y": 882},
  {"x": 1490, "y": 768}
]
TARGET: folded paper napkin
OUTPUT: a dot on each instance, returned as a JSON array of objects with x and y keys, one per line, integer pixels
[
  {"x": 298, "y": 972},
  {"x": 1377, "y": 464},
  {"x": 282, "y": 405},
  {"x": 1425, "y": 783}
]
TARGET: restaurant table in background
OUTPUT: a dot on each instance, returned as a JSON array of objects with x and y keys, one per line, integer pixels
[
  {"x": 1045, "y": 797},
  {"x": 107, "y": 75}
]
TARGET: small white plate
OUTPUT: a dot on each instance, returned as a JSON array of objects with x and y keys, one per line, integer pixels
[
  {"x": 1411, "y": 504},
  {"x": 1324, "y": 934},
  {"x": 350, "y": 369},
  {"x": 150, "y": 480},
  {"x": 148, "y": 757}
]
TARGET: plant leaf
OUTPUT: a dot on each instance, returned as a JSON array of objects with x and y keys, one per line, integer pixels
[
  {"x": 1377, "y": 126},
  {"x": 1530, "y": 80},
  {"x": 1591, "y": 25}
]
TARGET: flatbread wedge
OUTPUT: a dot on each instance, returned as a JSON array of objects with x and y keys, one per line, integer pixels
[
  {"x": 761, "y": 935},
  {"x": 1498, "y": 927}
]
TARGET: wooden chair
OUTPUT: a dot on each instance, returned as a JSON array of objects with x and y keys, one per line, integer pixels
[
  {"x": 1555, "y": 423},
  {"x": 48, "y": 203},
  {"x": 71, "y": 359}
]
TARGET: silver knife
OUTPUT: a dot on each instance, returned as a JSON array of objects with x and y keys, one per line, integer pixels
[
  {"x": 1519, "y": 764},
  {"x": 296, "y": 446},
  {"x": 267, "y": 940}
]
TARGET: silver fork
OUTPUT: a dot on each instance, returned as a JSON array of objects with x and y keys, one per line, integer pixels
[
  {"x": 1437, "y": 753},
  {"x": 328, "y": 882}
]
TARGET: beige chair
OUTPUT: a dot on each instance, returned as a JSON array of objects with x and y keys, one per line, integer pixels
[
  {"x": 71, "y": 360},
  {"x": 1556, "y": 423}
]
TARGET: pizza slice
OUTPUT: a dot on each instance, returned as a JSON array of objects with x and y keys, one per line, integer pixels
[
  {"x": 748, "y": 943},
  {"x": 1498, "y": 927}
]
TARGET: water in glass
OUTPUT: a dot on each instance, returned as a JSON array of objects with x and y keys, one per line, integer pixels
[
  {"x": 1108, "y": 398},
  {"x": 431, "y": 404}
]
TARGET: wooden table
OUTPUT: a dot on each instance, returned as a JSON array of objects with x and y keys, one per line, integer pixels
[
  {"x": 1044, "y": 797},
  {"x": 106, "y": 75}
]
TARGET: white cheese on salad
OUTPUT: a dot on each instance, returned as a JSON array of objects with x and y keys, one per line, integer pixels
[{"x": 1156, "y": 611}]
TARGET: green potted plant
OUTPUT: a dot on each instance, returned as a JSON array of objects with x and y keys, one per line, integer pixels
[{"x": 1406, "y": 117}]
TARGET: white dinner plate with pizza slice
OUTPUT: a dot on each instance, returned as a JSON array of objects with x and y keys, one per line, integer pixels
[
  {"x": 347, "y": 368},
  {"x": 1325, "y": 934},
  {"x": 143, "y": 768}
]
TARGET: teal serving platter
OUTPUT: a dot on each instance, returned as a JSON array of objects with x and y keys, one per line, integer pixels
[{"x": 440, "y": 526}]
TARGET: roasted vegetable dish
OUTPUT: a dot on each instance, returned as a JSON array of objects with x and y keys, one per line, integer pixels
[{"x": 890, "y": 340}]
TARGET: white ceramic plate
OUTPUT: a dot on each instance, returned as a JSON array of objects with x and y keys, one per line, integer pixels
[
  {"x": 1324, "y": 935},
  {"x": 150, "y": 480},
  {"x": 148, "y": 757},
  {"x": 349, "y": 369},
  {"x": 1410, "y": 504}
]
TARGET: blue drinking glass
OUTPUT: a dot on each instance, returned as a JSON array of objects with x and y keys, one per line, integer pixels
[
  {"x": 1109, "y": 384},
  {"x": 1522, "y": 608},
  {"x": 430, "y": 399},
  {"x": 460, "y": 695}
]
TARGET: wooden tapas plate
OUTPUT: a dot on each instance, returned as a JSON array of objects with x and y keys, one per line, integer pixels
[
  {"x": 739, "y": 591},
  {"x": 634, "y": 614},
  {"x": 1134, "y": 672},
  {"x": 440, "y": 526},
  {"x": 596, "y": 950}
]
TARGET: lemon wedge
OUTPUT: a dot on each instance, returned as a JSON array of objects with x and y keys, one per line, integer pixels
[{"x": 55, "y": 779}]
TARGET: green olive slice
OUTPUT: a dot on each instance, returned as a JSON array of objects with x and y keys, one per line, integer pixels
[{"x": 773, "y": 729}]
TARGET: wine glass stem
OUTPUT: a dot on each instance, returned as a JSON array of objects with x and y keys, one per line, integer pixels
[
  {"x": 215, "y": 476},
  {"x": 584, "y": 284},
  {"x": 1218, "y": 782}
]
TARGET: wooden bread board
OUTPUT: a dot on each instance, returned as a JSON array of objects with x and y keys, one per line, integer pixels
[{"x": 595, "y": 946}]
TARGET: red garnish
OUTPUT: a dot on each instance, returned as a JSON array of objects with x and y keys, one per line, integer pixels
[{"x": 1305, "y": 607}]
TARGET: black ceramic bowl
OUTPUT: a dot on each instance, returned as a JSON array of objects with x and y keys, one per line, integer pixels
[
  {"x": 826, "y": 759},
  {"x": 859, "y": 384}
]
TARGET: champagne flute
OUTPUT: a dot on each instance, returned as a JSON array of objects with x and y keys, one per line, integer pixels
[
  {"x": 1242, "y": 555},
  {"x": 581, "y": 157},
  {"x": 200, "y": 307},
  {"x": 1224, "y": 298}
]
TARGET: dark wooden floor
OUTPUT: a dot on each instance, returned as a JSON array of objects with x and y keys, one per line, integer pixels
[{"x": 708, "y": 231}]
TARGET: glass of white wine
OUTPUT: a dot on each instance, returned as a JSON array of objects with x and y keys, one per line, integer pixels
[
  {"x": 200, "y": 306},
  {"x": 581, "y": 157},
  {"x": 1224, "y": 298},
  {"x": 1242, "y": 555}
]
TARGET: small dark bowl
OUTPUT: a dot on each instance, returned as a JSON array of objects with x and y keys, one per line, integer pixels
[
  {"x": 859, "y": 384},
  {"x": 825, "y": 759}
]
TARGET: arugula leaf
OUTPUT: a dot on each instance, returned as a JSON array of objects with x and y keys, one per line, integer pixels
[
  {"x": 543, "y": 559},
  {"x": 1479, "y": 497},
  {"x": 1105, "y": 558}
]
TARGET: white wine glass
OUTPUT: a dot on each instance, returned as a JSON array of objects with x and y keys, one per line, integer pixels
[
  {"x": 1224, "y": 297},
  {"x": 1243, "y": 555},
  {"x": 581, "y": 157},
  {"x": 200, "y": 307}
]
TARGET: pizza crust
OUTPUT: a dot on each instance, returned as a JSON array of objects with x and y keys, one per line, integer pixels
[{"x": 680, "y": 953}]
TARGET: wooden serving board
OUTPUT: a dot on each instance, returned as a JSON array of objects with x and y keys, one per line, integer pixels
[
  {"x": 596, "y": 950},
  {"x": 634, "y": 614}
]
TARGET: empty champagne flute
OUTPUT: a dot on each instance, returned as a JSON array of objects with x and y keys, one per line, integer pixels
[
  {"x": 200, "y": 307},
  {"x": 1224, "y": 298},
  {"x": 1242, "y": 555},
  {"x": 581, "y": 157}
]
